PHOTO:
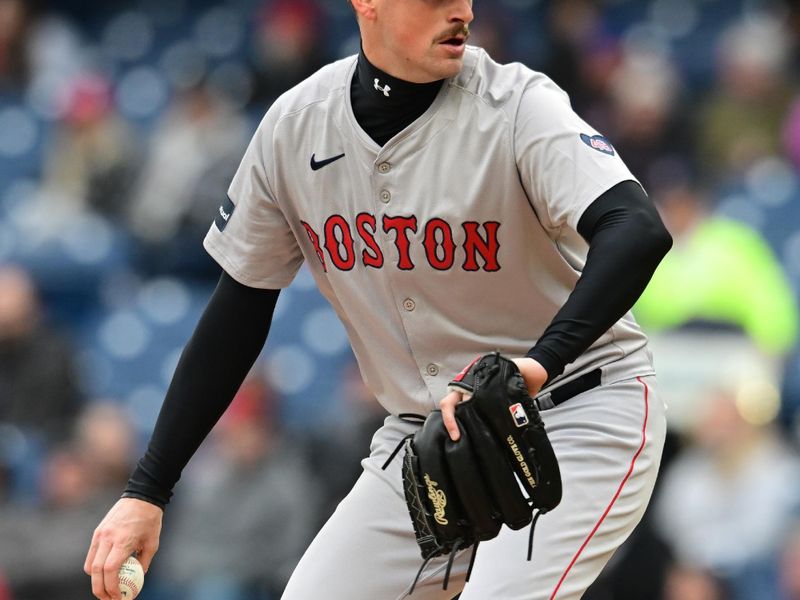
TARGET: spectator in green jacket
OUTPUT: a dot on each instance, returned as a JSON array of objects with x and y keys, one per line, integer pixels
[{"x": 719, "y": 271}]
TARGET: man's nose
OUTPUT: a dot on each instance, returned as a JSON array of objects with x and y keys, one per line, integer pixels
[{"x": 462, "y": 12}]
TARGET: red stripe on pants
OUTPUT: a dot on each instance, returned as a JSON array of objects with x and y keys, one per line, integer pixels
[{"x": 616, "y": 495}]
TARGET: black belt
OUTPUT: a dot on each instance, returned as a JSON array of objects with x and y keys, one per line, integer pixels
[{"x": 572, "y": 388}]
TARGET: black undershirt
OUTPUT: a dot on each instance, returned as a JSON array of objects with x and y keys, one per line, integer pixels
[
  {"x": 626, "y": 239},
  {"x": 382, "y": 116}
]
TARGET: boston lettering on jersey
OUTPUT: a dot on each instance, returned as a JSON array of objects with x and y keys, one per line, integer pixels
[{"x": 472, "y": 246}]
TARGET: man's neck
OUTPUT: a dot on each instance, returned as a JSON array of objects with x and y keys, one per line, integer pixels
[
  {"x": 384, "y": 105},
  {"x": 388, "y": 88}
]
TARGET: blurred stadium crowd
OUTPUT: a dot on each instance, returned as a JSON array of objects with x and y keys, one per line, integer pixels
[{"x": 121, "y": 124}]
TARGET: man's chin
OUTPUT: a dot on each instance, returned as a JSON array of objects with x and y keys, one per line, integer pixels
[{"x": 450, "y": 68}]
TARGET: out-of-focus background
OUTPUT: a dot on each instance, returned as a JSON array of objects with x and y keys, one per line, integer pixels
[{"x": 121, "y": 124}]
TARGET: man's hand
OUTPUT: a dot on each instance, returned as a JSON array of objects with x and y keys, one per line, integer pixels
[
  {"x": 131, "y": 526},
  {"x": 533, "y": 373}
]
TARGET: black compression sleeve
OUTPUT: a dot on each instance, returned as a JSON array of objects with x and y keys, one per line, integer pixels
[
  {"x": 627, "y": 240},
  {"x": 221, "y": 351}
]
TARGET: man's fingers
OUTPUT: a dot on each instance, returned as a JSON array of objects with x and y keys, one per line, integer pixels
[
  {"x": 145, "y": 557},
  {"x": 448, "y": 406},
  {"x": 87, "y": 564},
  {"x": 111, "y": 571},
  {"x": 96, "y": 570}
]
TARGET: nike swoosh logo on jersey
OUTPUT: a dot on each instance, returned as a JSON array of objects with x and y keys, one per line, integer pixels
[{"x": 317, "y": 165}]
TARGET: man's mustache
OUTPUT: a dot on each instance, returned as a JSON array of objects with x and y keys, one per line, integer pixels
[{"x": 456, "y": 31}]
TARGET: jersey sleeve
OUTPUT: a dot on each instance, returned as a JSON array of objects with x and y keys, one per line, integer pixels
[
  {"x": 564, "y": 163},
  {"x": 250, "y": 237}
]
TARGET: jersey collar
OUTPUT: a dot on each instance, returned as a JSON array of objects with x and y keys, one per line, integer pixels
[{"x": 388, "y": 92}]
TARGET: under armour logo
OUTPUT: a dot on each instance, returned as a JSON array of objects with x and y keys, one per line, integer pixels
[{"x": 385, "y": 89}]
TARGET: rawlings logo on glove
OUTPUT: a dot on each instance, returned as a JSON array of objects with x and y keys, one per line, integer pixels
[{"x": 438, "y": 500}]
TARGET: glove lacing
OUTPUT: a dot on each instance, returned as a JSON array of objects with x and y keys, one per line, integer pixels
[
  {"x": 539, "y": 513},
  {"x": 435, "y": 552},
  {"x": 456, "y": 546},
  {"x": 405, "y": 417}
]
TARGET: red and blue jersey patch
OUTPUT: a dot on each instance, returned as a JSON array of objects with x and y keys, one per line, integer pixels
[{"x": 599, "y": 143}]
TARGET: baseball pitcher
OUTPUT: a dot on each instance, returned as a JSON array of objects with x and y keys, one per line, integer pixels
[{"x": 482, "y": 245}]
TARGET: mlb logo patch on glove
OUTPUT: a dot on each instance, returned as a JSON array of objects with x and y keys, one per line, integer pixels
[{"x": 519, "y": 414}]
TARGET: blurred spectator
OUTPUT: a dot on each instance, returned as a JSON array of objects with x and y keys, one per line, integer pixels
[
  {"x": 16, "y": 18},
  {"x": 583, "y": 56},
  {"x": 5, "y": 592},
  {"x": 105, "y": 439},
  {"x": 193, "y": 155},
  {"x": 718, "y": 272},
  {"x": 336, "y": 452},
  {"x": 791, "y": 134},
  {"x": 79, "y": 480},
  {"x": 39, "y": 390},
  {"x": 724, "y": 503},
  {"x": 92, "y": 158},
  {"x": 492, "y": 31},
  {"x": 288, "y": 47},
  {"x": 792, "y": 17},
  {"x": 643, "y": 552},
  {"x": 39, "y": 53},
  {"x": 691, "y": 583},
  {"x": 249, "y": 505},
  {"x": 647, "y": 121},
  {"x": 741, "y": 121},
  {"x": 790, "y": 564}
]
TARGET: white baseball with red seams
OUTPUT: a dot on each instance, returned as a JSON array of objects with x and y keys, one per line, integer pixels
[{"x": 131, "y": 578}]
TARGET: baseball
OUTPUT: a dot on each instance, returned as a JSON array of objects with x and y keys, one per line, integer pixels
[{"x": 131, "y": 578}]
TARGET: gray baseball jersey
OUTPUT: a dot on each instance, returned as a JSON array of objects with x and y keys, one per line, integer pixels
[{"x": 440, "y": 245}]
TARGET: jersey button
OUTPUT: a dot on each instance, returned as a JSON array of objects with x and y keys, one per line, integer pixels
[
  {"x": 385, "y": 196},
  {"x": 432, "y": 370},
  {"x": 409, "y": 304},
  {"x": 384, "y": 167}
]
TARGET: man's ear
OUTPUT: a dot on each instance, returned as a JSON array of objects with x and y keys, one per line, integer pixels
[{"x": 365, "y": 9}]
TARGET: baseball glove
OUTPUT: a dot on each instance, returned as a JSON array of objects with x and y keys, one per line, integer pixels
[{"x": 499, "y": 472}]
